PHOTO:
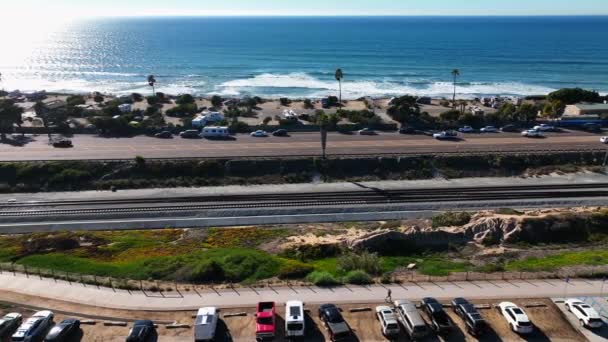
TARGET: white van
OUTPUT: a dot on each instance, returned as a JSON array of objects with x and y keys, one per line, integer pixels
[
  {"x": 215, "y": 132},
  {"x": 205, "y": 324},
  {"x": 294, "y": 319}
]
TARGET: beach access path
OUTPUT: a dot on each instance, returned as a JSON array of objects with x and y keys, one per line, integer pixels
[{"x": 110, "y": 298}]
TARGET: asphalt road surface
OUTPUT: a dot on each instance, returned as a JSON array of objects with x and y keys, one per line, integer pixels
[{"x": 95, "y": 147}]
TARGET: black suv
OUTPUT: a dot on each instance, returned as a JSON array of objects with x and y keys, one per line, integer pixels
[
  {"x": 441, "y": 322},
  {"x": 142, "y": 331},
  {"x": 474, "y": 322}
]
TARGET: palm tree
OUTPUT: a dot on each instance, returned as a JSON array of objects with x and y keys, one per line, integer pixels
[
  {"x": 151, "y": 82},
  {"x": 455, "y": 73},
  {"x": 339, "y": 76},
  {"x": 42, "y": 111}
]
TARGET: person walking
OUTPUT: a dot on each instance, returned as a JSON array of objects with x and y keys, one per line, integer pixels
[{"x": 389, "y": 297}]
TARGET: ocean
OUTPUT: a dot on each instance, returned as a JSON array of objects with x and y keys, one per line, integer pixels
[{"x": 297, "y": 56}]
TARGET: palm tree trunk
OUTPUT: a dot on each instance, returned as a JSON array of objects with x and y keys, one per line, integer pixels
[
  {"x": 153, "y": 90},
  {"x": 454, "y": 97},
  {"x": 340, "y": 86}
]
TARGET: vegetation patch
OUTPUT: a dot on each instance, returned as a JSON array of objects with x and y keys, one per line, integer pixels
[
  {"x": 451, "y": 219},
  {"x": 242, "y": 237},
  {"x": 553, "y": 262}
]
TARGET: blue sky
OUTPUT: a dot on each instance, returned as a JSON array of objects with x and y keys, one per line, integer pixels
[{"x": 306, "y": 7}]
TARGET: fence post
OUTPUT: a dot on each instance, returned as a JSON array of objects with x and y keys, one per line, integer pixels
[
  {"x": 466, "y": 277},
  {"x": 53, "y": 274},
  {"x": 82, "y": 280},
  {"x": 110, "y": 280},
  {"x": 141, "y": 285},
  {"x": 0, "y": 268},
  {"x": 67, "y": 277},
  {"x": 25, "y": 270},
  {"x": 13, "y": 267},
  {"x": 39, "y": 273},
  {"x": 95, "y": 280}
]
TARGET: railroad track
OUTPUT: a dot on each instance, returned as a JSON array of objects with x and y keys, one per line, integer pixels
[{"x": 292, "y": 200}]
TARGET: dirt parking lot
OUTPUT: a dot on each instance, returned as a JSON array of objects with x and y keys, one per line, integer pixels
[{"x": 551, "y": 325}]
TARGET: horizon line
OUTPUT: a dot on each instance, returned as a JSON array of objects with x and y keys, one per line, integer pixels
[{"x": 211, "y": 15}]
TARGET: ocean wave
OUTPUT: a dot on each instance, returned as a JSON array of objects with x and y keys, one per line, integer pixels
[{"x": 283, "y": 84}]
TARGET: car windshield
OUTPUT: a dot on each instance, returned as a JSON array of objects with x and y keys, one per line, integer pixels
[
  {"x": 295, "y": 326},
  {"x": 334, "y": 316},
  {"x": 392, "y": 326},
  {"x": 265, "y": 320},
  {"x": 525, "y": 324}
]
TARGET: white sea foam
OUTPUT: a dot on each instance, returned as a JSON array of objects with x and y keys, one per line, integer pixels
[{"x": 281, "y": 84}]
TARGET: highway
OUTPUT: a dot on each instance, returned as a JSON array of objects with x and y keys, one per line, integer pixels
[{"x": 298, "y": 144}]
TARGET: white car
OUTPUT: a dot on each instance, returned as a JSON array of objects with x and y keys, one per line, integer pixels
[
  {"x": 466, "y": 129},
  {"x": 259, "y": 134},
  {"x": 516, "y": 317},
  {"x": 445, "y": 135},
  {"x": 388, "y": 320},
  {"x": 489, "y": 129},
  {"x": 586, "y": 314},
  {"x": 532, "y": 133},
  {"x": 544, "y": 128},
  {"x": 604, "y": 140}
]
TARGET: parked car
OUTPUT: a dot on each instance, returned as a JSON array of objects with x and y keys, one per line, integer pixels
[
  {"x": 466, "y": 129},
  {"x": 280, "y": 133},
  {"x": 8, "y": 324},
  {"x": 63, "y": 331},
  {"x": 410, "y": 319},
  {"x": 34, "y": 328},
  {"x": 190, "y": 134},
  {"x": 604, "y": 140},
  {"x": 388, "y": 321},
  {"x": 489, "y": 129},
  {"x": 367, "y": 131},
  {"x": 440, "y": 321},
  {"x": 63, "y": 143},
  {"x": 516, "y": 318},
  {"x": 337, "y": 327},
  {"x": 265, "y": 323},
  {"x": 295, "y": 324},
  {"x": 586, "y": 314},
  {"x": 164, "y": 135},
  {"x": 141, "y": 331},
  {"x": 473, "y": 321},
  {"x": 445, "y": 135},
  {"x": 509, "y": 128},
  {"x": 205, "y": 324},
  {"x": 532, "y": 133},
  {"x": 259, "y": 134}
]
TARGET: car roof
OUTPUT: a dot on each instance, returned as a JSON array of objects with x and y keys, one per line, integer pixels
[
  {"x": 210, "y": 310},
  {"x": 460, "y": 300},
  {"x": 43, "y": 313},
  {"x": 140, "y": 322}
]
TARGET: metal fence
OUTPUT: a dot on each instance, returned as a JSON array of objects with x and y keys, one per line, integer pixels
[{"x": 160, "y": 286}]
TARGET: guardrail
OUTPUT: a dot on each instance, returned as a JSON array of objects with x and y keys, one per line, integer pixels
[{"x": 329, "y": 156}]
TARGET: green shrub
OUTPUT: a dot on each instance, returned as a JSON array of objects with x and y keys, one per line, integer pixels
[
  {"x": 322, "y": 278},
  {"x": 358, "y": 277},
  {"x": 509, "y": 211},
  {"x": 451, "y": 219},
  {"x": 207, "y": 271},
  {"x": 365, "y": 261},
  {"x": 292, "y": 269}
]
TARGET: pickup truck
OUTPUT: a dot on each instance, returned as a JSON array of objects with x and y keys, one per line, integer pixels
[
  {"x": 265, "y": 327},
  {"x": 440, "y": 321},
  {"x": 338, "y": 329}
]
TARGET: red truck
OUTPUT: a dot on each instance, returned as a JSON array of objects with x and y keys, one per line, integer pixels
[{"x": 265, "y": 321}]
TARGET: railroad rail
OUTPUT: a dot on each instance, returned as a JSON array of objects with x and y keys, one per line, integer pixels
[{"x": 303, "y": 200}]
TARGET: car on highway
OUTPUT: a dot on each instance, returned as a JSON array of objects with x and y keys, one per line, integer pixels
[
  {"x": 336, "y": 326},
  {"x": 545, "y": 128},
  {"x": 259, "y": 134},
  {"x": 63, "y": 331},
  {"x": 8, "y": 324},
  {"x": 34, "y": 328},
  {"x": 489, "y": 129},
  {"x": 604, "y": 140},
  {"x": 164, "y": 135},
  {"x": 585, "y": 313},
  {"x": 63, "y": 143},
  {"x": 516, "y": 318},
  {"x": 367, "y": 131},
  {"x": 440, "y": 321},
  {"x": 509, "y": 128},
  {"x": 205, "y": 324},
  {"x": 141, "y": 331},
  {"x": 474, "y": 323},
  {"x": 388, "y": 321},
  {"x": 532, "y": 133},
  {"x": 280, "y": 133},
  {"x": 407, "y": 130},
  {"x": 446, "y": 135},
  {"x": 190, "y": 134},
  {"x": 410, "y": 319},
  {"x": 466, "y": 129}
]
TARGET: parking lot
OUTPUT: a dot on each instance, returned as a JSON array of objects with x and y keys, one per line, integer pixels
[{"x": 549, "y": 322}]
